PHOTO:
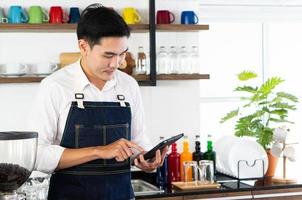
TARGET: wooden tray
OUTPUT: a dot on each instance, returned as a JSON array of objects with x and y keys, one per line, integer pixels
[{"x": 194, "y": 185}]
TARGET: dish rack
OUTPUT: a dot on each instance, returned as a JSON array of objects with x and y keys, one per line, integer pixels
[{"x": 239, "y": 179}]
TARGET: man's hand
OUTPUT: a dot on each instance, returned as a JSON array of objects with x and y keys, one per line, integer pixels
[
  {"x": 158, "y": 160},
  {"x": 120, "y": 150}
]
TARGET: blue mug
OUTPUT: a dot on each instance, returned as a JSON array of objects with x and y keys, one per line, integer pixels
[
  {"x": 188, "y": 17},
  {"x": 74, "y": 15},
  {"x": 17, "y": 15}
]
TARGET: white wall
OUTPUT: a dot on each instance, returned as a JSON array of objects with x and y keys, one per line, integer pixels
[
  {"x": 171, "y": 107},
  {"x": 264, "y": 36}
]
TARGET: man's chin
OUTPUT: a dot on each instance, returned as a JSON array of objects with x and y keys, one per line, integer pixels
[{"x": 107, "y": 77}]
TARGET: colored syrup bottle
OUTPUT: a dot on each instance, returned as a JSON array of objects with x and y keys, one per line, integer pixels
[
  {"x": 197, "y": 155},
  {"x": 173, "y": 165},
  {"x": 210, "y": 154},
  {"x": 162, "y": 173},
  {"x": 186, "y": 155}
]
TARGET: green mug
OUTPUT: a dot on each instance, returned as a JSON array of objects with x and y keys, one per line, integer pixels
[{"x": 37, "y": 15}]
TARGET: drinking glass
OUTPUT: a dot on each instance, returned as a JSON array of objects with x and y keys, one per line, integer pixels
[
  {"x": 206, "y": 171},
  {"x": 190, "y": 172}
]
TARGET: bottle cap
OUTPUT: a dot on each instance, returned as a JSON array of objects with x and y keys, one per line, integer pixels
[
  {"x": 197, "y": 146},
  {"x": 209, "y": 146},
  {"x": 174, "y": 147}
]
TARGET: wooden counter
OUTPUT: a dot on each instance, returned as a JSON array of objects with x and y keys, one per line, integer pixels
[{"x": 229, "y": 190}]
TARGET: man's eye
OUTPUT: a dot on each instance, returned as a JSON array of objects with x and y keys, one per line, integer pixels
[{"x": 108, "y": 56}]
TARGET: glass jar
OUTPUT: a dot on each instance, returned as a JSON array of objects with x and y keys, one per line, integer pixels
[
  {"x": 173, "y": 60},
  {"x": 162, "y": 65},
  {"x": 141, "y": 63},
  {"x": 17, "y": 158},
  {"x": 194, "y": 61},
  {"x": 183, "y": 61}
]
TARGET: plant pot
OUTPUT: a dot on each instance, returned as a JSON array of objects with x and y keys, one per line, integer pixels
[{"x": 272, "y": 164}]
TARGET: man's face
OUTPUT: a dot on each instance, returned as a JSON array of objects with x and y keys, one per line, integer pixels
[{"x": 104, "y": 58}]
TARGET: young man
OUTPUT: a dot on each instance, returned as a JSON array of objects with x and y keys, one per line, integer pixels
[{"x": 90, "y": 116}]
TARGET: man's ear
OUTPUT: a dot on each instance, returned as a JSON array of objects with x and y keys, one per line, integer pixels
[{"x": 84, "y": 47}]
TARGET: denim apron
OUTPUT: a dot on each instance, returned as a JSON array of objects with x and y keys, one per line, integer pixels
[{"x": 94, "y": 124}]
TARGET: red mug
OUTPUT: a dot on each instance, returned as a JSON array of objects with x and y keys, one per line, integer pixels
[
  {"x": 56, "y": 15},
  {"x": 164, "y": 17}
]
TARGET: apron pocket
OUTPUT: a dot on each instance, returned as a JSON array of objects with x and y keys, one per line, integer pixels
[
  {"x": 101, "y": 135},
  {"x": 114, "y": 133},
  {"x": 88, "y": 137}
]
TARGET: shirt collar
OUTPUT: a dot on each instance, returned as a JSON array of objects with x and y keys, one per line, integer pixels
[{"x": 82, "y": 81}]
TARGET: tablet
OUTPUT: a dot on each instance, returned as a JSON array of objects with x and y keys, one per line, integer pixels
[{"x": 150, "y": 154}]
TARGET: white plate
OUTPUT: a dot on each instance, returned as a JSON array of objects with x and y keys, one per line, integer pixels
[
  {"x": 248, "y": 150},
  {"x": 222, "y": 146}
]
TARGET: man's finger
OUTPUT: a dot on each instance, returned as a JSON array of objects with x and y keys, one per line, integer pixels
[
  {"x": 164, "y": 152},
  {"x": 157, "y": 158},
  {"x": 123, "y": 153},
  {"x": 126, "y": 149},
  {"x": 133, "y": 145}
]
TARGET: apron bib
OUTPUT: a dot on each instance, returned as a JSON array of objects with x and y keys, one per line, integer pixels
[{"x": 94, "y": 124}]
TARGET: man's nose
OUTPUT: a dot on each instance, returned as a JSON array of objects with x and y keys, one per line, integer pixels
[{"x": 115, "y": 61}]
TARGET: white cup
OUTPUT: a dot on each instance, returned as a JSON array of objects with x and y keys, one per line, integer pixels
[
  {"x": 41, "y": 68},
  {"x": 280, "y": 134},
  {"x": 12, "y": 69},
  {"x": 46, "y": 68},
  {"x": 31, "y": 69},
  {"x": 2, "y": 69}
]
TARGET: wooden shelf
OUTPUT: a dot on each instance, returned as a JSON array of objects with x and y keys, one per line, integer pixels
[
  {"x": 57, "y": 27},
  {"x": 182, "y": 76},
  {"x": 26, "y": 79},
  {"x": 137, "y": 28},
  {"x": 181, "y": 27},
  {"x": 173, "y": 77},
  {"x": 20, "y": 79}
]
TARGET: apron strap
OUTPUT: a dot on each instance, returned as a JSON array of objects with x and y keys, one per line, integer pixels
[
  {"x": 121, "y": 99},
  {"x": 119, "y": 94},
  {"x": 79, "y": 97}
]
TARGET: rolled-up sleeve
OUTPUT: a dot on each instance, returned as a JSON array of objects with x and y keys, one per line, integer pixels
[{"x": 44, "y": 120}]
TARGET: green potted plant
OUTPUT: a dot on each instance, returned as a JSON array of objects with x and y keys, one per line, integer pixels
[{"x": 262, "y": 110}]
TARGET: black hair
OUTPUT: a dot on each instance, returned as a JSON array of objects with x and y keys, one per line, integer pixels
[{"x": 98, "y": 21}]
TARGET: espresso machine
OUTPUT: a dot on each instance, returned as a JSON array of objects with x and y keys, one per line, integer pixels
[{"x": 18, "y": 151}]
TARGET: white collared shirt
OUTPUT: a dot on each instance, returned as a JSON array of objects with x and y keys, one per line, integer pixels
[{"x": 56, "y": 92}]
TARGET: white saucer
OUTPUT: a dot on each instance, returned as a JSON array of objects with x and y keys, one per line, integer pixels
[{"x": 12, "y": 74}]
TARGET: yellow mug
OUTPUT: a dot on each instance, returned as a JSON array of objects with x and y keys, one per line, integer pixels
[{"x": 131, "y": 16}]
